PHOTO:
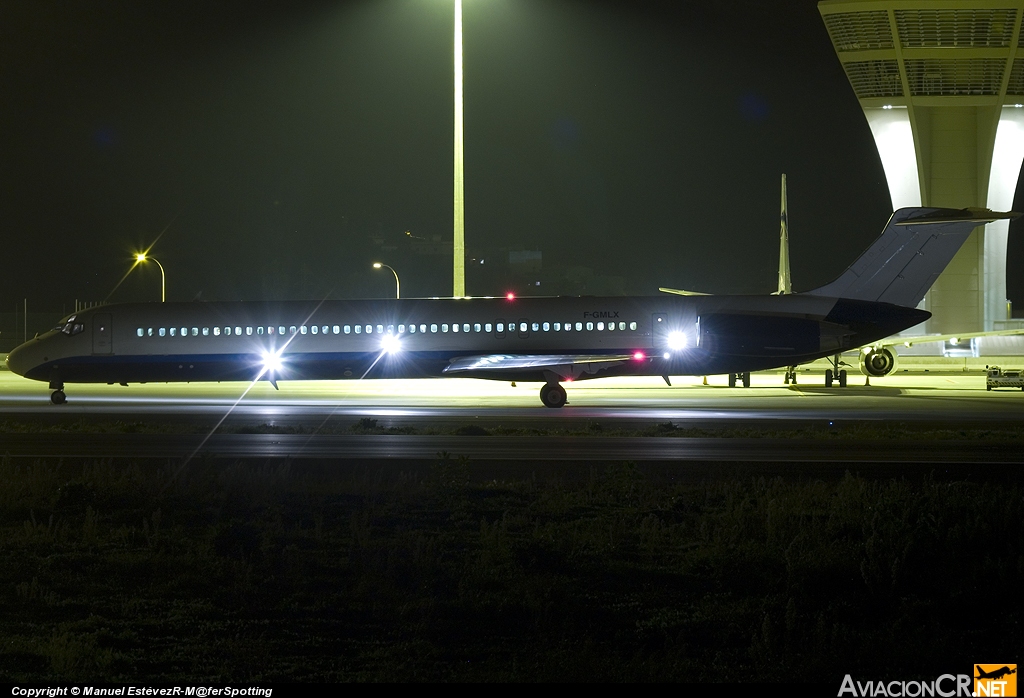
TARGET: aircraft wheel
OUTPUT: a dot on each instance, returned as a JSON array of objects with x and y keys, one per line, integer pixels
[
  {"x": 842, "y": 378},
  {"x": 828, "y": 378},
  {"x": 553, "y": 395},
  {"x": 732, "y": 380},
  {"x": 746, "y": 379},
  {"x": 58, "y": 397}
]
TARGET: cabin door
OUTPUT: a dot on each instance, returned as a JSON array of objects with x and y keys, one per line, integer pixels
[
  {"x": 659, "y": 330},
  {"x": 102, "y": 334}
]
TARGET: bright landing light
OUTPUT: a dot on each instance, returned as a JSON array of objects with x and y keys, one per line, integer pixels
[
  {"x": 676, "y": 341},
  {"x": 390, "y": 344},
  {"x": 271, "y": 362}
]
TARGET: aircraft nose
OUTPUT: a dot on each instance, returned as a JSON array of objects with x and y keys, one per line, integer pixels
[{"x": 25, "y": 357}]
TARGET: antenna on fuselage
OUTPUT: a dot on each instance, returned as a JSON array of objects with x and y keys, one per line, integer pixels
[{"x": 785, "y": 284}]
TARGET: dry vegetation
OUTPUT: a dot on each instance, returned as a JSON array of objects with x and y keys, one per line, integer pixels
[{"x": 128, "y": 571}]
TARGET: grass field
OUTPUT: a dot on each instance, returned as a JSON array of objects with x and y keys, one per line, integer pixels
[{"x": 139, "y": 571}]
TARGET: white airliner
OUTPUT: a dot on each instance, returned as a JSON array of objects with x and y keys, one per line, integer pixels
[{"x": 551, "y": 340}]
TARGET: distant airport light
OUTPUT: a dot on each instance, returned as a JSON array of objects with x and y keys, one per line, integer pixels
[
  {"x": 1018, "y": 106},
  {"x": 638, "y": 356},
  {"x": 667, "y": 355},
  {"x": 510, "y": 296},
  {"x": 886, "y": 106},
  {"x": 390, "y": 344},
  {"x": 271, "y": 362},
  {"x": 676, "y": 341}
]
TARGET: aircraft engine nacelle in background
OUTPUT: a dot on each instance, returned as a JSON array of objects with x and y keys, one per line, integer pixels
[{"x": 878, "y": 361}]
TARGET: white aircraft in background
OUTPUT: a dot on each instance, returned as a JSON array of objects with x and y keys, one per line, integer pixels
[{"x": 877, "y": 359}]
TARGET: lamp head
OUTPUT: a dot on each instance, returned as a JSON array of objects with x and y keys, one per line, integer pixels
[
  {"x": 140, "y": 257},
  {"x": 376, "y": 265}
]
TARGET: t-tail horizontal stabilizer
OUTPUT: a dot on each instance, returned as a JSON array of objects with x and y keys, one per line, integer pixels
[{"x": 909, "y": 255}]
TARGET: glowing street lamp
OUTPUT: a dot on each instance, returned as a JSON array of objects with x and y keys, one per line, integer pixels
[
  {"x": 398, "y": 288},
  {"x": 142, "y": 257},
  {"x": 459, "y": 246}
]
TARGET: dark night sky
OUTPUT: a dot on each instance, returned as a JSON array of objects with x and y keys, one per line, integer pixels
[{"x": 640, "y": 140}]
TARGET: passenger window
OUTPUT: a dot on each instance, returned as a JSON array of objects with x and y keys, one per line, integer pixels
[
  {"x": 600, "y": 327},
  {"x": 369, "y": 329},
  {"x": 184, "y": 331},
  {"x": 259, "y": 330},
  {"x": 270, "y": 330},
  {"x": 336, "y": 329},
  {"x": 216, "y": 332},
  {"x": 238, "y": 331},
  {"x": 632, "y": 325},
  {"x": 380, "y": 329},
  {"x": 444, "y": 327},
  {"x": 206, "y": 331},
  {"x": 546, "y": 326},
  {"x": 292, "y": 329},
  {"x": 579, "y": 326},
  {"x": 455, "y": 327},
  {"x": 195, "y": 331},
  {"x": 611, "y": 326},
  {"x": 622, "y": 327},
  {"x": 323, "y": 330},
  {"x": 302, "y": 329},
  {"x": 590, "y": 327},
  {"x": 535, "y": 327},
  {"x": 522, "y": 326},
  {"x": 347, "y": 329},
  {"x": 140, "y": 332},
  {"x": 280, "y": 330},
  {"x": 174, "y": 331},
  {"x": 227, "y": 331},
  {"x": 401, "y": 329},
  {"x": 487, "y": 327},
  {"x": 162, "y": 332},
  {"x": 558, "y": 327},
  {"x": 465, "y": 327},
  {"x": 359, "y": 329},
  {"x": 433, "y": 328},
  {"x": 423, "y": 328},
  {"x": 501, "y": 327},
  {"x": 149, "y": 331}
]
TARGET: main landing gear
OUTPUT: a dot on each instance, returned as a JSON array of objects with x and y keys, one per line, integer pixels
[
  {"x": 791, "y": 375},
  {"x": 739, "y": 377},
  {"x": 553, "y": 395},
  {"x": 835, "y": 373}
]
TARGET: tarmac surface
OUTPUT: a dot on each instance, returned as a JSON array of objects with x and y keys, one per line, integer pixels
[{"x": 326, "y": 411}]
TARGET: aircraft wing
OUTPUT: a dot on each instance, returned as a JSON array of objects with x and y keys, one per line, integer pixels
[
  {"x": 924, "y": 339},
  {"x": 681, "y": 292},
  {"x": 565, "y": 365}
]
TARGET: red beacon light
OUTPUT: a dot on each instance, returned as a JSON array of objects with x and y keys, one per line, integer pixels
[
  {"x": 638, "y": 356},
  {"x": 510, "y": 296}
]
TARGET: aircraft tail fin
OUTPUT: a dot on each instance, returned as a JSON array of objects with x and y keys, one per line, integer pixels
[{"x": 914, "y": 248}]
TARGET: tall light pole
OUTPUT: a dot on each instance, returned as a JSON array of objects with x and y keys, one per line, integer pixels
[
  {"x": 459, "y": 247},
  {"x": 398, "y": 287},
  {"x": 140, "y": 258}
]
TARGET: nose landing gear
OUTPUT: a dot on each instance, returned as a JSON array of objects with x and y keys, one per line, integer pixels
[
  {"x": 553, "y": 395},
  {"x": 836, "y": 374},
  {"x": 57, "y": 386}
]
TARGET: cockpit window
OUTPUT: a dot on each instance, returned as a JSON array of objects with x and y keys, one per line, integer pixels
[{"x": 70, "y": 327}]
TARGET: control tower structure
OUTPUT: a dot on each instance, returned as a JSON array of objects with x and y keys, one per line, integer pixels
[{"x": 941, "y": 83}]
